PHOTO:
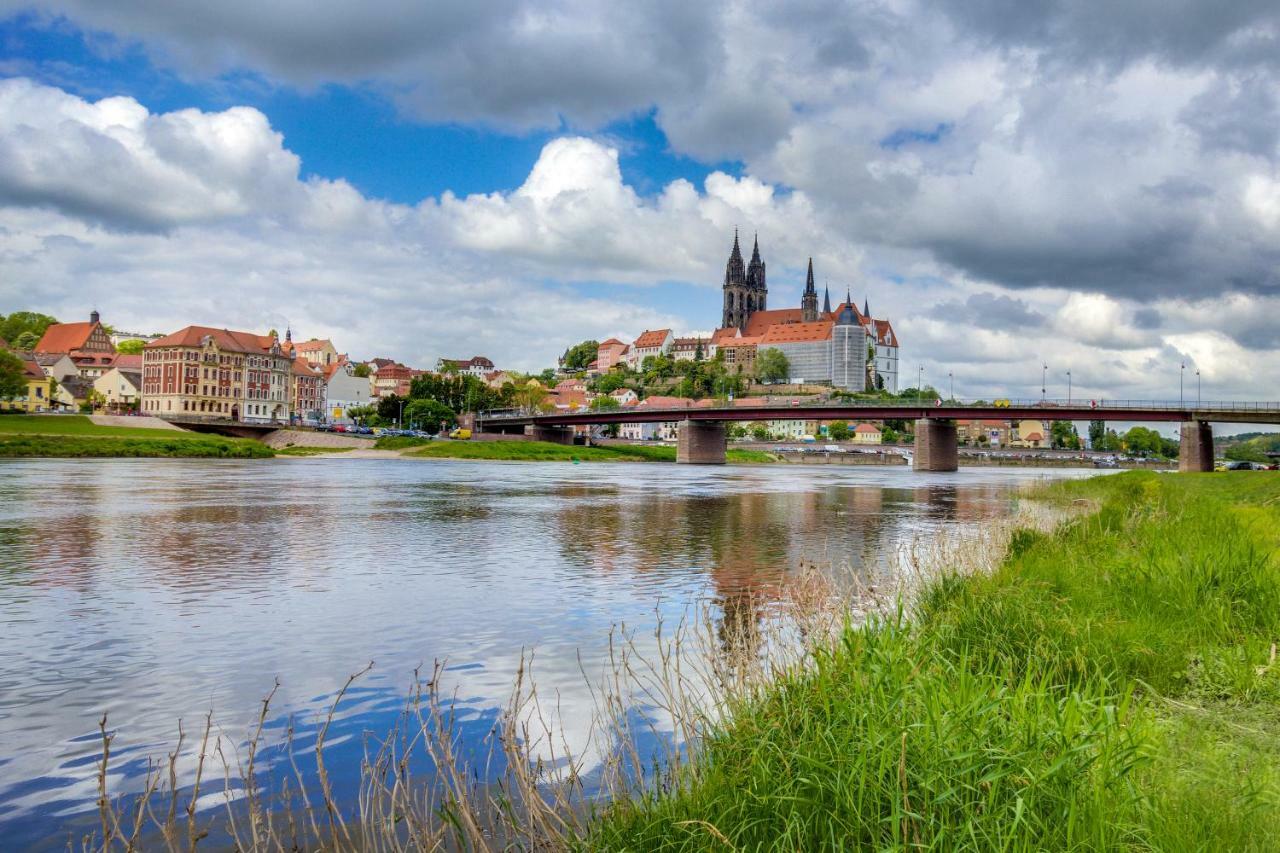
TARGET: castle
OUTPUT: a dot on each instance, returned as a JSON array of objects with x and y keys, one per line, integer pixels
[{"x": 843, "y": 346}]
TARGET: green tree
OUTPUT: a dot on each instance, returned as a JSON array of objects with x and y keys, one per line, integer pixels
[
  {"x": 577, "y": 357},
  {"x": 889, "y": 435},
  {"x": 389, "y": 407},
  {"x": 838, "y": 431},
  {"x": 133, "y": 347},
  {"x": 429, "y": 415},
  {"x": 13, "y": 378},
  {"x": 20, "y": 323},
  {"x": 26, "y": 341},
  {"x": 772, "y": 366},
  {"x": 1097, "y": 433},
  {"x": 1063, "y": 436},
  {"x": 367, "y": 415},
  {"x": 610, "y": 382},
  {"x": 760, "y": 432},
  {"x": 362, "y": 370},
  {"x": 604, "y": 404}
]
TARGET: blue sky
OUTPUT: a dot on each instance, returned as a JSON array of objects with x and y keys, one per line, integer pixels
[{"x": 422, "y": 180}]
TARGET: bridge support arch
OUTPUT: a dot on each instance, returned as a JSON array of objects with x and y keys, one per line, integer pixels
[
  {"x": 936, "y": 445},
  {"x": 1195, "y": 447},
  {"x": 553, "y": 434},
  {"x": 701, "y": 443}
]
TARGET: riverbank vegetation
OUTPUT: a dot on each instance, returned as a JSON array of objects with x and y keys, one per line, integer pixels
[
  {"x": 1112, "y": 685},
  {"x": 163, "y": 445},
  {"x": 76, "y": 436},
  {"x": 542, "y": 451}
]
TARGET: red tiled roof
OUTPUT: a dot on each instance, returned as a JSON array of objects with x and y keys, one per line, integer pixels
[
  {"x": 1035, "y": 436},
  {"x": 719, "y": 336},
  {"x": 612, "y": 342},
  {"x": 652, "y": 339},
  {"x": 740, "y": 342},
  {"x": 797, "y": 333},
  {"x": 866, "y": 429},
  {"x": 884, "y": 334},
  {"x": 65, "y": 337},
  {"x": 313, "y": 345},
  {"x": 661, "y": 402},
  {"x": 226, "y": 339},
  {"x": 758, "y": 322},
  {"x": 31, "y": 370},
  {"x": 303, "y": 367},
  {"x": 128, "y": 362}
]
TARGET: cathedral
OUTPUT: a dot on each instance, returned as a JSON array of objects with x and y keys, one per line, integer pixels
[{"x": 845, "y": 347}]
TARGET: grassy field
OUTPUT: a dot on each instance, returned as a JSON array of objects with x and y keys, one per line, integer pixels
[
  {"x": 77, "y": 436},
  {"x": 72, "y": 446},
  {"x": 540, "y": 451},
  {"x": 74, "y": 425},
  {"x": 304, "y": 450},
  {"x": 1114, "y": 685}
]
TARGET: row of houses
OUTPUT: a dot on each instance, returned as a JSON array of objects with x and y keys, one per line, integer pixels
[{"x": 219, "y": 373}]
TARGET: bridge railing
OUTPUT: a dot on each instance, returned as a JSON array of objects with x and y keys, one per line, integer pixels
[{"x": 788, "y": 403}]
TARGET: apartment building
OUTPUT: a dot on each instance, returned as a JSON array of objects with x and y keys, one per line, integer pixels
[{"x": 205, "y": 372}]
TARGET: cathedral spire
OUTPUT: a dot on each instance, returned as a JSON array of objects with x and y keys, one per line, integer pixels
[
  {"x": 866, "y": 310},
  {"x": 826, "y": 299},
  {"x": 755, "y": 249},
  {"x": 809, "y": 301}
]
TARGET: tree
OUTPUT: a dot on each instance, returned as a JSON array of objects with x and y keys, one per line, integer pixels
[
  {"x": 838, "y": 431},
  {"x": 133, "y": 347},
  {"x": 889, "y": 435},
  {"x": 760, "y": 432},
  {"x": 363, "y": 414},
  {"x": 19, "y": 323},
  {"x": 604, "y": 404},
  {"x": 26, "y": 341},
  {"x": 1097, "y": 434},
  {"x": 772, "y": 366},
  {"x": 529, "y": 397},
  {"x": 610, "y": 382},
  {"x": 429, "y": 415},
  {"x": 389, "y": 407},
  {"x": 577, "y": 357},
  {"x": 1063, "y": 436},
  {"x": 362, "y": 370},
  {"x": 13, "y": 378}
]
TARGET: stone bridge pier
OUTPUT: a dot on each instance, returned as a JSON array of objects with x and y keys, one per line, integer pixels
[
  {"x": 553, "y": 434},
  {"x": 1195, "y": 447},
  {"x": 936, "y": 445},
  {"x": 701, "y": 443}
]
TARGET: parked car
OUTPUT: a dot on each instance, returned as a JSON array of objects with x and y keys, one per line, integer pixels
[{"x": 1244, "y": 466}]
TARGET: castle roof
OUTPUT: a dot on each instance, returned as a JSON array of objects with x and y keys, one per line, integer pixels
[
  {"x": 797, "y": 333},
  {"x": 760, "y": 321}
]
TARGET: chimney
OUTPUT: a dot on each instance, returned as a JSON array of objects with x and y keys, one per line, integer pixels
[{"x": 93, "y": 316}]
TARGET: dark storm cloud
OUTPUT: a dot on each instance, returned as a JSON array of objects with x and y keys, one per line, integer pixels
[
  {"x": 1117, "y": 32},
  {"x": 989, "y": 311},
  {"x": 1237, "y": 116},
  {"x": 512, "y": 63},
  {"x": 1147, "y": 319}
]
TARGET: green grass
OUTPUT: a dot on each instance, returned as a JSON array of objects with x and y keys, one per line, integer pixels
[
  {"x": 72, "y": 446},
  {"x": 541, "y": 451},
  {"x": 1109, "y": 687},
  {"x": 73, "y": 425}
]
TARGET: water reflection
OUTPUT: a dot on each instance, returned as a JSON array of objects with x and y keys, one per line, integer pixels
[{"x": 157, "y": 590}]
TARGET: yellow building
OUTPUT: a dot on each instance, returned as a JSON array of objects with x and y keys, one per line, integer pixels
[
  {"x": 37, "y": 394},
  {"x": 866, "y": 434},
  {"x": 1030, "y": 433}
]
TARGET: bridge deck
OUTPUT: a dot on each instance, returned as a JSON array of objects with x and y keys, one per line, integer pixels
[{"x": 1135, "y": 410}]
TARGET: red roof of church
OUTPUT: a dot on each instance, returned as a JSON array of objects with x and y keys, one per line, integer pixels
[
  {"x": 760, "y": 321},
  {"x": 65, "y": 337},
  {"x": 726, "y": 334}
]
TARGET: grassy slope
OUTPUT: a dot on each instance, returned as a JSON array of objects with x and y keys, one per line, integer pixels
[
  {"x": 1108, "y": 687},
  {"x": 540, "y": 451},
  {"x": 77, "y": 436}
]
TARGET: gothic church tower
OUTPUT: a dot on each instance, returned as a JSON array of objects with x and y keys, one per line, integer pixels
[
  {"x": 809, "y": 301},
  {"x": 745, "y": 288}
]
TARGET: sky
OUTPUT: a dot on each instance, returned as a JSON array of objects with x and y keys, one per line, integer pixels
[{"x": 1092, "y": 186}]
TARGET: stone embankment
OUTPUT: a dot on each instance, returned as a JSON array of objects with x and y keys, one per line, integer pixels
[
  {"x": 134, "y": 422},
  {"x": 282, "y": 438}
]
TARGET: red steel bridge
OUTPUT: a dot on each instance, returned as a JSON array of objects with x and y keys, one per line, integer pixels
[{"x": 702, "y": 437}]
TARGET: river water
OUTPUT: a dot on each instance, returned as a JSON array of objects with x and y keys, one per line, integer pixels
[{"x": 155, "y": 590}]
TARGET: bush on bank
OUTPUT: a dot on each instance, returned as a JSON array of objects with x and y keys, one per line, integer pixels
[{"x": 1112, "y": 685}]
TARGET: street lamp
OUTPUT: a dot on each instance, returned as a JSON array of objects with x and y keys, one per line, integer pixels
[
  {"x": 1182, "y": 371},
  {"x": 1197, "y": 387},
  {"x": 1044, "y": 380},
  {"x": 952, "y": 377},
  {"x": 920, "y": 385},
  {"x": 400, "y": 420},
  {"x": 1068, "y": 387}
]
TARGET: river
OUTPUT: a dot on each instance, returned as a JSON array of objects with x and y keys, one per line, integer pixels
[{"x": 155, "y": 590}]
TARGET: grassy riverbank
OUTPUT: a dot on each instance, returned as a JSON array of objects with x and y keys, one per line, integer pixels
[
  {"x": 1112, "y": 685},
  {"x": 541, "y": 451},
  {"x": 75, "y": 436}
]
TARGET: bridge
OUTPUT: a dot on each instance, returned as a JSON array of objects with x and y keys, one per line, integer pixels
[{"x": 702, "y": 438}]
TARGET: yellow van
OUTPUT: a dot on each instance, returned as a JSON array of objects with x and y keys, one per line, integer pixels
[{"x": 461, "y": 434}]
